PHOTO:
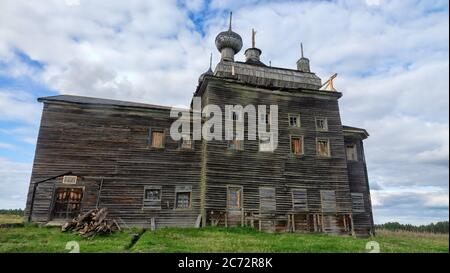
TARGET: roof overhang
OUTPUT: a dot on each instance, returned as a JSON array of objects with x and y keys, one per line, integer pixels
[{"x": 355, "y": 132}]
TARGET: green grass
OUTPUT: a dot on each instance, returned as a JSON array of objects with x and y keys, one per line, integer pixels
[
  {"x": 31, "y": 238},
  {"x": 248, "y": 240},
  {"x": 10, "y": 219}
]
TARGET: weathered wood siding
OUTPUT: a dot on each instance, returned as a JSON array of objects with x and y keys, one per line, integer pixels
[
  {"x": 108, "y": 146},
  {"x": 252, "y": 169},
  {"x": 358, "y": 179}
]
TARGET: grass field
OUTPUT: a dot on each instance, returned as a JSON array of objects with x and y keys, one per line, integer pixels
[
  {"x": 32, "y": 238},
  {"x": 10, "y": 219}
]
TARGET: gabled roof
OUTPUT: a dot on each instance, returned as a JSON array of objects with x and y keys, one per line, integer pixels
[
  {"x": 99, "y": 101},
  {"x": 355, "y": 130}
]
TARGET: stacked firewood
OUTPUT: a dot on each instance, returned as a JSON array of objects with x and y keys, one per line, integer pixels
[{"x": 92, "y": 223}]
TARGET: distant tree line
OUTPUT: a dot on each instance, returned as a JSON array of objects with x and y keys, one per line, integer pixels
[
  {"x": 12, "y": 211},
  {"x": 439, "y": 227}
]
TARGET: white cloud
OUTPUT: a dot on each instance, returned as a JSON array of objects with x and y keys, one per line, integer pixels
[
  {"x": 6, "y": 146},
  {"x": 14, "y": 181},
  {"x": 373, "y": 2},
  {"x": 19, "y": 106}
]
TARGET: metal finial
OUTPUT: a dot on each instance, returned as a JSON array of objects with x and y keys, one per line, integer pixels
[
  {"x": 231, "y": 18},
  {"x": 253, "y": 37},
  {"x": 210, "y": 60},
  {"x": 301, "y": 48},
  {"x": 270, "y": 63}
]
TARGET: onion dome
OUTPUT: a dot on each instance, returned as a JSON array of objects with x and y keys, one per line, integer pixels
[
  {"x": 228, "y": 43},
  {"x": 209, "y": 72}
]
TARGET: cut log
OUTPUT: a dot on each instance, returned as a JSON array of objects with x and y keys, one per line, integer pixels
[{"x": 92, "y": 223}]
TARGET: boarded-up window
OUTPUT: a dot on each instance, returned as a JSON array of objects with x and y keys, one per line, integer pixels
[
  {"x": 152, "y": 197},
  {"x": 183, "y": 197},
  {"x": 323, "y": 147},
  {"x": 351, "y": 152},
  {"x": 328, "y": 199},
  {"x": 267, "y": 201},
  {"x": 358, "y": 202},
  {"x": 157, "y": 139},
  {"x": 299, "y": 199},
  {"x": 297, "y": 145},
  {"x": 294, "y": 120},
  {"x": 322, "y": 124},
  {"x": 234, "y": 198}
]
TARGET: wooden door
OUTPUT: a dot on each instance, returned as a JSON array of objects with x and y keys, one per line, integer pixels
[
  {"x": 234, "y": 206},
  {"x": 67, "y": 203},
  {"x": 267, "y": 208}
]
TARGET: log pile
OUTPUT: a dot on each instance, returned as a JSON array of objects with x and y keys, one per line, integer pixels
[{"x": 92, "y": 223}]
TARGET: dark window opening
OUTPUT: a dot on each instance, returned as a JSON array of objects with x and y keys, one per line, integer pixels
[
  {"x": 67, "y": 202},
  {"x": 183, "y": 200}
]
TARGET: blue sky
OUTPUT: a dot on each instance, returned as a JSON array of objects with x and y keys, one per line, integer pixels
[{"x": 391, "y": 57}]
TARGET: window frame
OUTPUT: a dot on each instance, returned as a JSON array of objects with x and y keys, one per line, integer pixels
[
  {"x": 266, "y": 118},
  {"x": 183, "y": 189},
  {"x": 149, "y": 203},
  {"x": 241, "y": 198},
  {"x": 325, "y": 129},
  {"x": 302, "y": 143},
  {"x": 181, "y": 141},
  {"x": 298, "y": 123},
  {"x": 355, "y": 152},
  {"x": 233, "y": 147},
  {"x": 318, "y": 139},
  {"x": 150, "y": 138},
  {"x": 296, "y": 208},
  {"x": 271, "y": 150}
]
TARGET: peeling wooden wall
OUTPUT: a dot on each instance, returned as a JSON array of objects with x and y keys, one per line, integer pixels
[{"x": 110, "y": 144}]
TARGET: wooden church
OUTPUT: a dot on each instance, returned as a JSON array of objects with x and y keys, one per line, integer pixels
[{"x": 96, "y": 153}]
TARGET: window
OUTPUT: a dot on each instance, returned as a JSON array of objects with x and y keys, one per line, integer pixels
[
  {"x": 235, "y": 144},
  {"x": 183, "y": 200},
  {"x": 322, "y": 124},
  {"x": 152, "y": 197},
  {"x": 234, "y": 198},
  {"x": 265, "y": 143},
  {"x": 358, "y": 202},
  {"x": 297, "y": 145},
  {"x": 294, "y": 120},
  {"x": 157, "y": 138},
  {"x": 69, "y": 179},
  {"x": 265, "y": 118},
  {"x": 328, "y": 199},
  {"x": 186, "y": 142},
  {"x": 351, "y": 152},
  {"x": 235, "y": 116},
  {"x": 299, "y": 199},
  {"x": 183, "y": 197},
  {"x": 323, "y": 147},
  {"x": 267, "y": 199},
  {"x": 152, "y": 194}
]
